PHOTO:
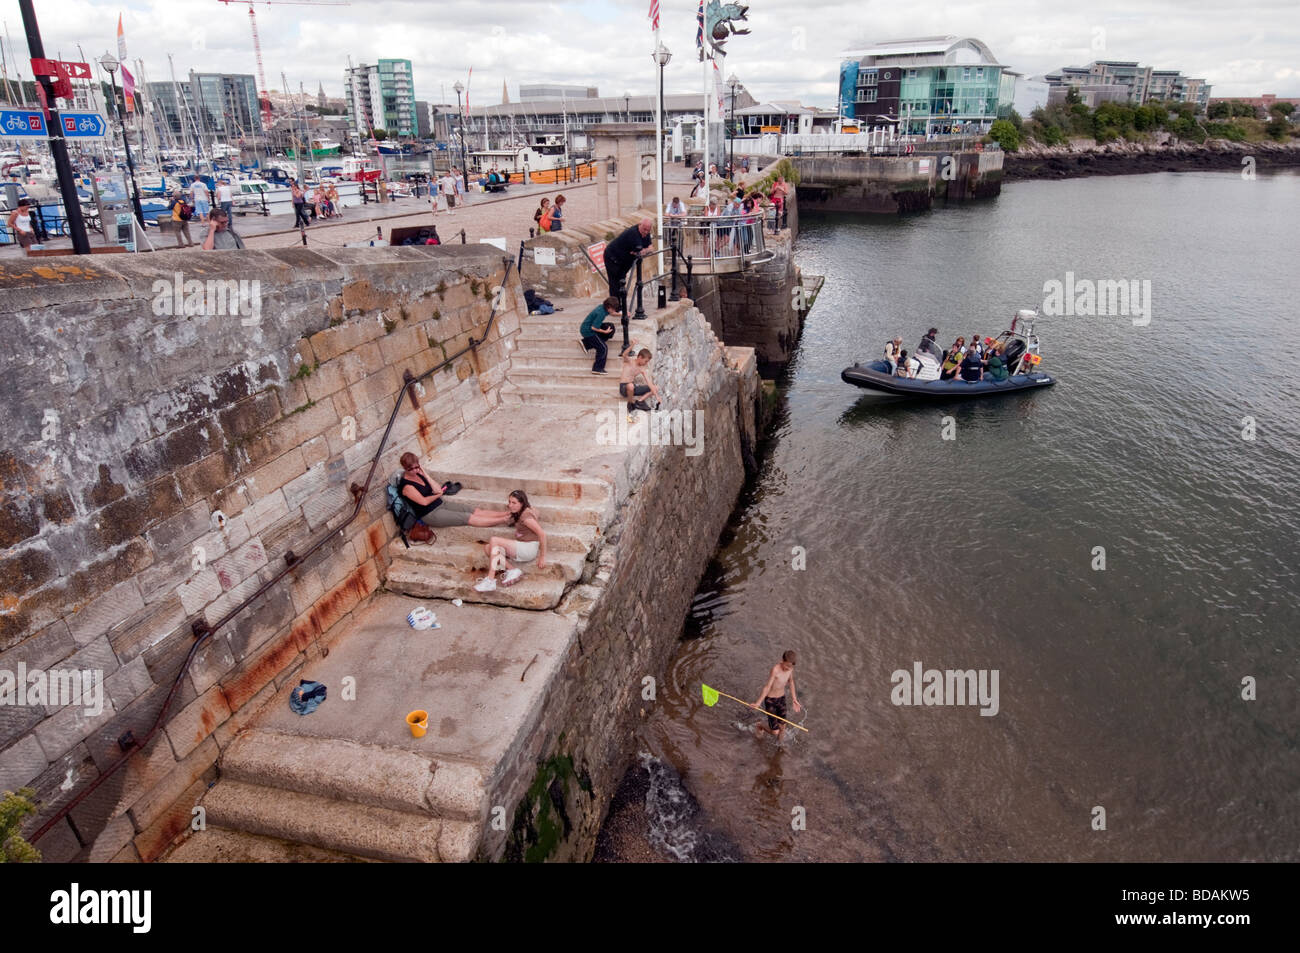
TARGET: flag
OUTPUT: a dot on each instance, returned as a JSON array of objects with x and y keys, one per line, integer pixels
[
  {"x": 699, "y": 30},
  {"x": 654, "y": 14},
  {"x": 121, "y": 40},
  {"x": 468, "y": 80},
  {"x": 128, "y": 89}
]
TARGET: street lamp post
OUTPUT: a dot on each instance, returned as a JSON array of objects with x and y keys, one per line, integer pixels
[
  {"x": 732, "y": 83},
  {"x": 58, "y": 145},
  {"x": 464, "y": 168},
  {"x": 109, "y": 62},
  {"x": 627, "y": 110},
  {"x": 661, "y": 57}
]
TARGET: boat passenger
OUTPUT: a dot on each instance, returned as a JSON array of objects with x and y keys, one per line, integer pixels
[
  {"x": 952, "y": 359},
  {"x": 976, "y": 346},
  {"x": 995, "y": 367},
  {"x": 892, "y": 350},
  {"x": 904, "y": 366},
  {"x": 972, "y": 367}
]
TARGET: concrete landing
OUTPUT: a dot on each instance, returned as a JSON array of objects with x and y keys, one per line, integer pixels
[{"x": 466, "y": 675}]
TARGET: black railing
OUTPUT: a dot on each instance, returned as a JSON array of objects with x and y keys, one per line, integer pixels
[{"x": 203, "y": 632}]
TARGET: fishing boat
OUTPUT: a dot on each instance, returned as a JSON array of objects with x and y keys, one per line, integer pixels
[{"x": 1022, "y": 354}]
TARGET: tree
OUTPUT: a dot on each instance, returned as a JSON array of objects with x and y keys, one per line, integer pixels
[
  {"x": 1005, "y": 134},
  {"x": 379, "y": 135},
  {"x": 1281, "y": 109},
  {"x": 1276, "y": 128},
  {"x": 1072, "y": 97},
  {"x": 1017, "y": 121}
]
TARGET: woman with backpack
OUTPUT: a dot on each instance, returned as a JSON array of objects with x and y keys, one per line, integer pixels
[
  {"x": 182, "y": 212},
  {"x": 426, "y": 503}
]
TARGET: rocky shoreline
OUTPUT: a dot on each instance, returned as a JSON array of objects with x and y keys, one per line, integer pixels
[{"x": 1128, "y": 158}]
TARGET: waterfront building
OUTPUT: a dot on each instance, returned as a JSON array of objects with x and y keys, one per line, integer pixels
[
  {"x": 223, "y": 105},
  {"x": 381, "y": 96},
  {"x": 1029, "y": 93},
  {"x": 1259, "y": 102},
  {"x": 935, "y": 84},
  {"x": 542, "y": 91},
  {"x": 1134, "y": 84},
  {"x": 525, "y": 121}
]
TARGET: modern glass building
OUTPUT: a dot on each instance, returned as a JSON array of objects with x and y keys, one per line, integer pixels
[
  {"x": 1140, "y": 84},
  {"x": 937, "y": 84}
]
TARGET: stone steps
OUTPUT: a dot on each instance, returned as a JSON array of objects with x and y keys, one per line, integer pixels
[
  {"x": 470, "y": 556},
  {"x": 342, "y": 826},
  {"x": 216, "y": 845},
  {"x": 526, "y": 378},
  {"x": 556, "y": 356},
  {"x": 500, "y": 485},
  {"x": 537, "y": 590},
  {"x": 564, "y": 394},
  {"x": 550, "y": 509}
]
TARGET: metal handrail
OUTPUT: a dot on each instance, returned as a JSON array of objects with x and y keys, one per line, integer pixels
[
  {"x": 204, "y": 632},
  {"x": 734, "y": 239}
]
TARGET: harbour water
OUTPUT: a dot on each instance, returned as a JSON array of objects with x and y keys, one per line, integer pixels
[{"x": 1169, "y": 453}]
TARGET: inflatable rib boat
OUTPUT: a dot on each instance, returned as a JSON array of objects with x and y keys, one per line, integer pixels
[{"x": 1021, "y": 353}]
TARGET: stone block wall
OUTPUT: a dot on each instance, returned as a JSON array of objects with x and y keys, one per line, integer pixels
[
  {"x": 158, "y": 465},
  {"x": 630, "y": 615}
]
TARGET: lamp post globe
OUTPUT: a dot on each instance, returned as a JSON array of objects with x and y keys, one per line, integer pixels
[
  {"x": 464, "y": 167},
  {"x": 732, "y": 84},
  {"x": 109, "y": 62}
]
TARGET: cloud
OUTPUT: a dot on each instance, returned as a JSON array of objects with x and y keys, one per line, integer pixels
[{"x": 793, "y": 51}]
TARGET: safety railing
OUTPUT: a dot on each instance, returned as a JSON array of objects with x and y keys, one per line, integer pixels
[
  {"x": 719, "y": 244},
  {"x": 204, "y": 632}
]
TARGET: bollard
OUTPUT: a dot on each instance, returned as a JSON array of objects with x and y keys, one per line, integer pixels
[
  {"x": 379, "y": 234},
  {"x": 672, "y": 249},
  {"x": 690, "y": 262},
  {"x": 640, "y": 311},
  {"x": 520, "y": 265},
  {"x": 462, "y": 236}
]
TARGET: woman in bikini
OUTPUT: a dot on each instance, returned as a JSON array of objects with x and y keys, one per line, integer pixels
[{"x": 529, "y": 543}]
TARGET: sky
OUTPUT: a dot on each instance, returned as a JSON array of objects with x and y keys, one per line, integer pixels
[{"x": 793, "y": 51}]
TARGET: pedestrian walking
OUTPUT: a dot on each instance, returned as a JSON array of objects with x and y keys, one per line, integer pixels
[
  {"x": 299, "y": 205},
  {"x": 202, "y": 198},
  {"x": 225, "y": 198},
  {"x": 182, "y": 212}
]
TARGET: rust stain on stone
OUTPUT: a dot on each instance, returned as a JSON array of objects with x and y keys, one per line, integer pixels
[
  {"x": 424, "y": 431},
  {"x": 332, "y": 606},
  {"x": 375, "y": 539},
  {"x": 252, "y": 680}
]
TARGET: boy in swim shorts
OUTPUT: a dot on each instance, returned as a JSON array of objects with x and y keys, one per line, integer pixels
[{"x": 772, "y": 698}]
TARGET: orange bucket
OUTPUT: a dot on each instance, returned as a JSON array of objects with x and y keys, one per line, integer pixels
[{"x": 418, "y": 722}]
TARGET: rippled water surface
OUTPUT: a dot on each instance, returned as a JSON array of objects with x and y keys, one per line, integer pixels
[{"x": 1118, "y": 688}]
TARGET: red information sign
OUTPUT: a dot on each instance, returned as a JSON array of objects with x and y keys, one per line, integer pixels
[
  {"x": 597, "y": 253},
  {"x": 61, "y": 68}
]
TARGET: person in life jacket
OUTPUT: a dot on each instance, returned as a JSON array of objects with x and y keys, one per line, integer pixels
[
  {"x": 893, "y": 349},
  {"x": 952, "y": 360}
]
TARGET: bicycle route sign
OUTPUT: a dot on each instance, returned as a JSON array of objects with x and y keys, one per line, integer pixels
[{"x": 31, "y": 124}]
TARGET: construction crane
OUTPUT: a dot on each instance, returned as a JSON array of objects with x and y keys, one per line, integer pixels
[{"x": 264, "y": 101}]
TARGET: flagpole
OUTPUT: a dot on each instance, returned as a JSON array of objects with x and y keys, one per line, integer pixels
[{"x": 659, "y": 150}]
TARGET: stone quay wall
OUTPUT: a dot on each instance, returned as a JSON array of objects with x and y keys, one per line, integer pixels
[
  {"x": 672, "y": 508},
  {"x": 157, "y": 466},
  {"x": 893, "y": 184}
]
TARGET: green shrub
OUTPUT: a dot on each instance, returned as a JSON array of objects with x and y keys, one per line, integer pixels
[
  {"x": 14, "y": 806},
  {"x": 1005, "y": 134}
]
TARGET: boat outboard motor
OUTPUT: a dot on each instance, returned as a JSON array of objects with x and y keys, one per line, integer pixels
[{"x": 1011, "y": 356}]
